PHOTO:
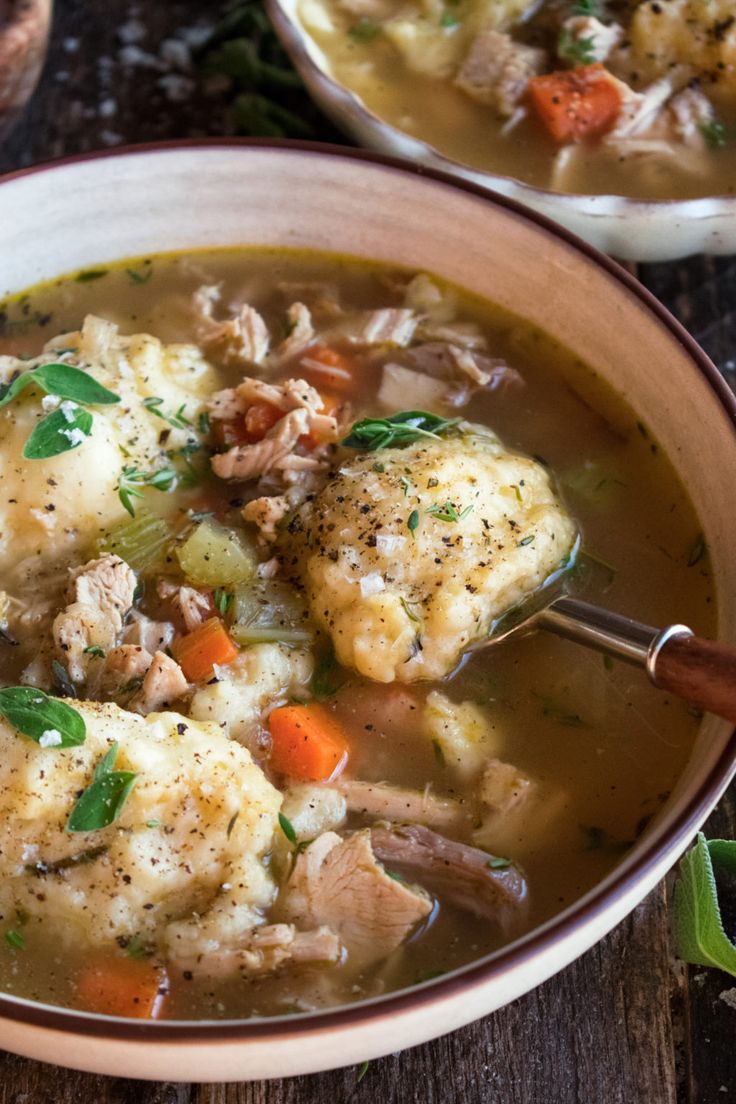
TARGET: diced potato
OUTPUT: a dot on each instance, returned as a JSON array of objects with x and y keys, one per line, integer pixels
[
  {"x": 216, "y": 556},
  {"x": 401, "y": 388},
  {"x": 462, "y": 732}
]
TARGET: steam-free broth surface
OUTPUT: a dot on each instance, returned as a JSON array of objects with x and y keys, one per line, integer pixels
[{"x": 591, "y": 749}]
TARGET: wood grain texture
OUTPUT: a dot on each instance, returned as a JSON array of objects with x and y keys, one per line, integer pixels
[
  {"x": 701, "y": 672},
  {"x": 625, "y": 1024}
]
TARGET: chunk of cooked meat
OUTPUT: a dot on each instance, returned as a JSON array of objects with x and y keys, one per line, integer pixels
[
  {"x": 267, "y": 513},
  {"x": 600, "y": 38},
  {"x": 301, "y": 332},
  {"x": 312, "y": 809},
  {"x": 379, "y": 799},
  {"x": 244, "y": 462},
  {"x": 101, "y": 593},
  {"x": 435, "y": 587},
  {"x": 497, "y": 70},
  {"x": 237, "y": 342},
  {"x": 460, "y": 874},
  {"x": 195, "y": 607},
  {"x": 267, "y": 949},
  {"x": 389, "y": 326},
  {"x": 339, "y": 883},
  {"x": 152, "y": 635},
  {"x": 117, "y": 668},
  {"x": 163, "y": 684}
]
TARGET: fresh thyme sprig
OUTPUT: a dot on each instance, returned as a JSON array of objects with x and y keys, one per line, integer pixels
[{"x": 398, "y": 430}]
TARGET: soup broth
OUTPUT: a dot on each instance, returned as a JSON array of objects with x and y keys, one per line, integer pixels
[{"x": 593, "y": 747}]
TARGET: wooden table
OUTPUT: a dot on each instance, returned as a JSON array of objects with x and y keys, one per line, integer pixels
[{"x": 626, "y": 1024}]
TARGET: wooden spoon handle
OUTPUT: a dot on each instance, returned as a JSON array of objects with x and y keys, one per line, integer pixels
[{"x": 699, "y": 671}]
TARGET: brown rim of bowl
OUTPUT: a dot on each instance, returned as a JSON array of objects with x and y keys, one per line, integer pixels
[{"x": 576, "y": 916}]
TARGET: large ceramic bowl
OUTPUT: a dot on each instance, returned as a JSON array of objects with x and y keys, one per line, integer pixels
[
  {"x": 95, "y": 211},
  {"x": 632, "y": 229}
]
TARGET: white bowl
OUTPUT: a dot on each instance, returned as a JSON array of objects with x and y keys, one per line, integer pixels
[
  {"x": 94, "y": 211},
  {"x": 632, "y": 229}
]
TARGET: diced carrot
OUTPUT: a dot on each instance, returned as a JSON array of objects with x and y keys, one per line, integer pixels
[
  {"x": 331, "y": 404},
  {"x": 259, "y": 418},
  {"x": 199, "y": 651},
  {"x": 306, "y": 743},
  {"x": 576, "y": 103},
  {"x": 117, "y": 986},
  {"x": 329, "y": 366},
  {"x": 227, "y": 434}
]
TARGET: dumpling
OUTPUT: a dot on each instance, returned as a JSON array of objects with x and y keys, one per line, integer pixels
[
  {"x": 407, "y": 555},
  {"x": 51, "y": 508},
  {"x": 200, "y": 817}
]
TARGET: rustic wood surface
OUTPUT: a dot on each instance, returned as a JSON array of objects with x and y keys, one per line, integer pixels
[{"x": 626, "y": 1024}]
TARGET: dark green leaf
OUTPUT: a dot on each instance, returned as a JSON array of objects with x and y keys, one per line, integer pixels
[
  {"x": 448, "y": 20},
  {"x": 103, "y": 800},
  {"x": 328, "y": 676},
  {"x": 576, "y": 51},
  {"x": 439, "y": 753},
  {"x": 497, "y": 863},
  {"x": 131, "y": 480},
  {"x": 59, "y": 432},
  {"x": 8, "y": 391},
  {"x": 34, "y": 713},
  {"x": 365, "y": 30},
  {"x": 15, "y": 940},
  {"x": 90, "y": 275},
  {"x": 526, "y": 540},
  {"x": 177, "y": 420},
  {"x": 63, "y": 685},
  {"x": 398, "y": 430},
  {"x": 714, "y": 134},
  {"x": 412, "y": 522},
  {"x": 72, "y": 383},
  {"x": 95, "y": 650},
  {"x": 586, "y": 7},
  {"x": 362, "y": 1071},
  {"x": 700, "y": 937},
  {"x": 231, "y": 824},
  {"x": 137, "y": 278},
  {"x": 287, "y": 828}
]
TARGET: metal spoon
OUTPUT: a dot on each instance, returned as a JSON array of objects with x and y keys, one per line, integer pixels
[{"x": 698, "y": 670}]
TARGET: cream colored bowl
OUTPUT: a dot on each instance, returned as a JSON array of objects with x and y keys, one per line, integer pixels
[
  {"x": 632, "y": 229},
  {"x": 94, "y": 211}
]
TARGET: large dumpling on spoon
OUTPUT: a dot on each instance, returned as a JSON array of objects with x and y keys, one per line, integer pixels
[{"x": 408, "y": 554}]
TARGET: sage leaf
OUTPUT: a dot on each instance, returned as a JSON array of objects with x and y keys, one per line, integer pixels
[
  {"x": 69, "y": 382},
  {"x": 698, "y": 929},
  {"x": 34, "y": 714},
  {"x": 64, "y": 381},
  {"x": 103, "y": 800},
  {"x": 58, "y": 432},
  {"x": 287, "y": 828}
]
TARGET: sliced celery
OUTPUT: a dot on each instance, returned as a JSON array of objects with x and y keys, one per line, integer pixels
[
  {"x": 215, "y": 556},
  {"x": 139, "y": 542},
  {"x": 269, "y": 612}
]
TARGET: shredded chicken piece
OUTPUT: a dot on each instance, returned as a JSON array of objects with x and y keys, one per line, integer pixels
[
  {"x": 192, "y": 604},
  {"x": 292, "y": 394},
  {"x": 468, "y": 364},
  {"x": 301, "y": 332},
  {"x": 640, "y": 110},
  {"x": 497, "y": 70},
  {"x": 389, "y": 326},
  {"x": 268, "y": 949},
  {"x": 339, "y": 883},
  {"x": 152, "y": 635},
  {"x": 100, "y": 595},
  {"x": 251, "y": 461},
  {"x": 163, "y": 684},
  {"x": 503, "y": 786},
  {"x": 120, "y": 666},
  {"x": 602, "y": 38},
  {"x": 459, "y": 873},
  {"x": 379, "y": 799},
  {"x": 689, "y": 112},
  {"x": 235, "y": 342},
  {"x": 267, "y": 513}
]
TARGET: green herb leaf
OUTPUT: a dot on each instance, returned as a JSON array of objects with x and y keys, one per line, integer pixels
[
  {"x": 497, "y": 863},
  {"x": 447, "y": 512},
  {"x": 15, "y": 939},
  {"x": 365, "y": 30},
  {"x": 714, "y": 134},
  {"x": 203, "y": 422},
  {"x": 439, "y": 753},
  {"x": 90, "y": 275},
  {"x": 63, "y": 685},
  {"x": 287, "y": 828},
  {"x": 328, "y": 676},
  {"x": 72, "y": 383},
  {"x": 137, "y": 947},
  {"x": 580, "y": 51},
  {"x": 398, "y": 430},
  {"x": 131, "y": 480},
  {"x": 177, "y": 420},
  {"x": 586, "y": 7},
  {"x": 412, "y": 522},
  {"x": 137, "y": 278},
  {"x": 95, "y": 650},
  {"x": 59, "y": 432},
  {"x": 362, "y": 1071},
  {"x": 700, "y": 937},
  {"x": 525, "y": 540},
  {"x": 222, "y": 600},
  {"x": 408, "y": 610},
  {"x": 103, "y": 800},
  {"x": 447, "y": 19},
  {"x": 231, "y": 824},
  {"x": 35, "y": 714}
]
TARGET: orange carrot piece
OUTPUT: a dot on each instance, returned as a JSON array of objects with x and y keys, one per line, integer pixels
[
  {"x": 575, "y": 103},
  {"x": 335, "y": 369},
  {"x": 118, "y": 986},
  {"x": 199, "y": 651},
  {"x": 259, "y": 418},
  {"x": 306, "y": 743}
]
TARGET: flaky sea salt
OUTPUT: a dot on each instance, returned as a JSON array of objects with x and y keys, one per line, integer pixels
[
  {"x": 50, "y": 402},
  {"x": 68, "y": 409},
  {"x": 75, "y": 436},
  {"x": 50, "y": 737}
]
